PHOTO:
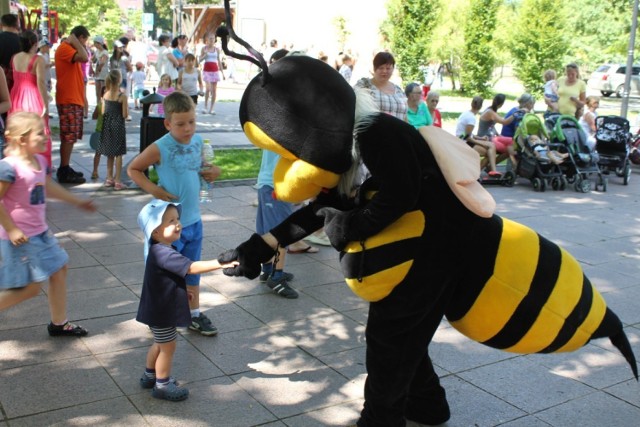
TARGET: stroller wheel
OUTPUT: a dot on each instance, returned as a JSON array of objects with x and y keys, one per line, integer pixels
[
  {"x": 563, "y": 183},
  {"x": 509, "y": 178},
  {"x": 538, "y": 184},
  {"x": 582, "y": 185}
]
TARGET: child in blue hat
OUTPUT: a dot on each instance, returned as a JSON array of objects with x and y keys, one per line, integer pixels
[{"x": 164, "y": 303}]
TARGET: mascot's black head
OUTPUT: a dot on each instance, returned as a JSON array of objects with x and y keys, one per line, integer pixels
[{"x": 302, "y": 109}]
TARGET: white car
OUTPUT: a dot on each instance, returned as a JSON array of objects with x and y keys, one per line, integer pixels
[{"x": 609, "y": 79}]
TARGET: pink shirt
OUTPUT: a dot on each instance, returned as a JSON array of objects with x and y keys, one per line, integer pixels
[
  {"x": 24, "y": 201},
  {"x": 164, "y": 92}
]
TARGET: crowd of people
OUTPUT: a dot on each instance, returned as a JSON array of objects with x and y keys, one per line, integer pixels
[{"x": 171, "y": 222}]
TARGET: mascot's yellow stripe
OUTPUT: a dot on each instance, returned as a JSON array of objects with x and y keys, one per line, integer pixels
[
  {"x": 408, "y": 226},
  {"x": 509, "y": 284},
  {"x": 589, "y": 326},
  {"x": 377, "y": 287},
  {"x": 561, "y": 302}
]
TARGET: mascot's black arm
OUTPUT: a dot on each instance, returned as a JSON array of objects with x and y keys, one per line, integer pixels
[{"x": 389, "y": 148}]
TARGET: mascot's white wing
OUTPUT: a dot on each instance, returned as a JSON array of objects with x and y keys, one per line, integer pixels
[{"x": 460, "y": 166}]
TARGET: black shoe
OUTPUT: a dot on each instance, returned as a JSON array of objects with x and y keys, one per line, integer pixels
[
  {"x": 68, "y": 177},
  {"x": 74, "y": 172},
  {"x": 282, "y": 288},
  {"x": 68, "y": 330},
  {"x": 287, "y": 276}
]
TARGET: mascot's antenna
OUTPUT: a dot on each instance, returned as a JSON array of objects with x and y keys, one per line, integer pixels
[{"x": 224, "y": 31}]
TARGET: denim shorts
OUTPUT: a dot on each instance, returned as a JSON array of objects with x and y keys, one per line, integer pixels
[
  {"x": 190, "y": 245},
  {"x": 271, "y": 212},
  {"x": 34, "y": 261}
]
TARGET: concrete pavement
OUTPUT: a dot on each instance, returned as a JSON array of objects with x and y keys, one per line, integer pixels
[{"x": 300, "y": 363}]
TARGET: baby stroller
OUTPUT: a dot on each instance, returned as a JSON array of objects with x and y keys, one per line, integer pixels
[
  {"x": 533, "y": 149},
  {"x": 613, "y": 142},
  {"x": 582, "y": 162}
]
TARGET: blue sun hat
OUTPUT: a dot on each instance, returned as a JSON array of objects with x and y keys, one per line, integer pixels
[{"x": 150, "y": 217}]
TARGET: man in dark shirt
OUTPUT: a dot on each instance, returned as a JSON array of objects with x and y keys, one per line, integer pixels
[
  {"x": 9, "y": 39},
  {"x": 10, "y": 42}
]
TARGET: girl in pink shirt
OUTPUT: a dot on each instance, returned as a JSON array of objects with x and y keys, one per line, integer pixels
[{"x": 31, "y": 254}]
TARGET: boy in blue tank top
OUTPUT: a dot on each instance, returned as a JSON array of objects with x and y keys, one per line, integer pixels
[{"x": 177, "y": 157}]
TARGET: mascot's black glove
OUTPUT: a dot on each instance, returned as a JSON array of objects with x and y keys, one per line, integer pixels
[
  {"x": 250, "y": 255},
  {"x": 336, "y": 224}
]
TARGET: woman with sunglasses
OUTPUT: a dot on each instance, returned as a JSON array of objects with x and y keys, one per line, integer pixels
[
  {"x": 433, "y": 98},
  {"x": 417, "y": 113}
]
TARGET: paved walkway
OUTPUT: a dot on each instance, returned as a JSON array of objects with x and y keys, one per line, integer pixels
[{"x": 279, "y": 362}]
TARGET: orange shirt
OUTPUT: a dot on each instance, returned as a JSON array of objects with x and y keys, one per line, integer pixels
[{"x": 70, "y": 81}]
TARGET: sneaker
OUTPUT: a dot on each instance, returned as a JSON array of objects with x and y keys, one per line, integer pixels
[
  {"x": 66, "y": 176},
  {"x": 203, "y": 325},
  {"x": 171, "y": 392},
  {"x": 67, "y": 330},
  {"x": 74, "y": 172},
  {"x": 287, "y": 276},
  {"x": 282, "y": 288},
  {"x": 148, "y": 382}
]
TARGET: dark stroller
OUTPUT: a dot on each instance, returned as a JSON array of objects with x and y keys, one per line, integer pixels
[
  {"x": 532, "y": 145},
  {"x": 613, "y": 141},
  {"x": 582, "y": 161}
]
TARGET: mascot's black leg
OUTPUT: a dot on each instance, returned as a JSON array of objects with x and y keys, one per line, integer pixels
[
  {"x": 427, "y": 403},
  {"x": 612, "y": 327},
  {"x": 401, "y": 383}
]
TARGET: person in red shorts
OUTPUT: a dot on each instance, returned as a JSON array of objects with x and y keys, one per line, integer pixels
[{"x": 70, "y": 99}]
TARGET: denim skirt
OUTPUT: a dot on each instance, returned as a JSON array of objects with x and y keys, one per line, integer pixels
[{"x": 34, "y": 261}]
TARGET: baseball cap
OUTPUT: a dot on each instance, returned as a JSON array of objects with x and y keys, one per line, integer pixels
[
  {"x": 150, "y": 217},
  {"x": 98, "y": 39},
  {"x": 118, "y": 43},
  {"x": 44, "y": 43}
]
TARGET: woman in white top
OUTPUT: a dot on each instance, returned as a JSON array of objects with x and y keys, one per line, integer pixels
[
  {"x": 211, "y": 70},
  {"x": 484, "y": 147},
  {"x": 389, "y": 97},
  {"x": 166, "y": 63}
]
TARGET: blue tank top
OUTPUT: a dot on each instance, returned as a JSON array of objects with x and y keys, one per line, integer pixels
[{"x": 178, "y": 174}]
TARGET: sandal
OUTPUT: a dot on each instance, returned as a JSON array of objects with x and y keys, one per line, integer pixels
[
  {"x": 147, "y": 382},
  {"x": 171, "y": 392},
  {"x": 308, "y": 250},
  {"x": 94, "y": 176},
  {"x": 68, "y": 329},
  {"x": 109, "y": 183},
  {"x": 119, "y": 186}
]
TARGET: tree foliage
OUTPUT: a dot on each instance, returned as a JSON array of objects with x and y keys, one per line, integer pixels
[
  {"x": 102, "y": 17},
  {"x": 409, "y": 27},
  {"x": 478, "y": 59},
  {"x": 447, "y": 43},
  {"x": 540, "y": 42}
]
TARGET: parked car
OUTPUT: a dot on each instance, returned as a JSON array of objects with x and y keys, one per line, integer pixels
[{"x": 609, "y": 79}]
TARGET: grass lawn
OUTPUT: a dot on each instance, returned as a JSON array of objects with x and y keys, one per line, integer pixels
[{"x": 237, "y": 163}]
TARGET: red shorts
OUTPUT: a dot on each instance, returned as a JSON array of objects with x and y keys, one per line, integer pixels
[
  {"x": 502, "y": 143},
  {"x": 71, "y": 124}
]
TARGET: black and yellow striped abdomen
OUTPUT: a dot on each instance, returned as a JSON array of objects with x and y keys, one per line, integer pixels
[
  {"x": 534, "y": 299},
  {"x": 373, "y": 268}
]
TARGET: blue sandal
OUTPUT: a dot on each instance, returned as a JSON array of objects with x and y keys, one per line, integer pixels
[
  {"x": 171, "y": 392},
  {"x": 147, "y": 382}
]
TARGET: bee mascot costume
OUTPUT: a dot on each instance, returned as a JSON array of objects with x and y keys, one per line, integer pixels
[{"x": 418, "y": 238}]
